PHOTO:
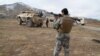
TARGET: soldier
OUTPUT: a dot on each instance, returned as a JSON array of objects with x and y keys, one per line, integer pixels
[
  {"x": 63, "y": 25},
  {"x": 47, "y": 22}
]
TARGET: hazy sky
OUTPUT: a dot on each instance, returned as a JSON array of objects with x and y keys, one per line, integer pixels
[{"x": 84, "y": 8}]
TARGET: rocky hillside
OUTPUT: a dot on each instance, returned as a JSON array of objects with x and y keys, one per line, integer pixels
[{"x": 11, "y": 10}]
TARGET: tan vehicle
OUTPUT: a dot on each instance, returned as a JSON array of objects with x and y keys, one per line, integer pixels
[{"x": 30, "y": 19}]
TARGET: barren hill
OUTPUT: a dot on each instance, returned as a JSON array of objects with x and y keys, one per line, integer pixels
[{"x": 11, "y": 10}]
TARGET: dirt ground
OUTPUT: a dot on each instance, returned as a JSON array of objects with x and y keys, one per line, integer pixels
[
  {"x": 93, "y": 23},
  {"x": 16, "y": 40}
]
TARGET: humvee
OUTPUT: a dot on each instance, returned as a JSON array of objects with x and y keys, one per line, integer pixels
[
  {"x": 30, "y": 19},
  {"x": 79, "y": 20}
]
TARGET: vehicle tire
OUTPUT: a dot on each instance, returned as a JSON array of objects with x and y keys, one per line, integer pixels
[
  {"x": 40, "y": 25},
  {"x": 29, "y": 23},
  {"x": 20, "y": 21},
  {"x": 82, "y": 24}
]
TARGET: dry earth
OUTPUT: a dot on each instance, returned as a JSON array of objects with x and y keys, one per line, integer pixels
[
  {"x": 16, "y": 40},
  {"x": 94, "y": 23}
]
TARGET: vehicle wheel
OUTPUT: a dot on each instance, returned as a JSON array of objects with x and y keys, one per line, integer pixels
[
  {"x": 82, "y": 24},
  {"x": 29, "y": 23},
  {"x": 40, "y": 25},
  {"x": 20, "y": 21}
]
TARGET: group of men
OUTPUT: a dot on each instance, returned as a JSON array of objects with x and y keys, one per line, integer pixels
[{"x": 63, "y": 25}]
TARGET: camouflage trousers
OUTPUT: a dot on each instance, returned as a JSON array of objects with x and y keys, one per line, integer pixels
[{"x": 62, "y": 41}]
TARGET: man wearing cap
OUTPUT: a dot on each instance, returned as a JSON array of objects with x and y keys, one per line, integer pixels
[{"x": 63, "y": 25}]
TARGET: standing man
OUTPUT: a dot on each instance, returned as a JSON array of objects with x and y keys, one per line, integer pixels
[
  {"x": 47, "y": 22},
  {"x": 63, "y": 26}
]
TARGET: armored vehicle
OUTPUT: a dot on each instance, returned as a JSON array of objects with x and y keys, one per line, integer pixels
[{"x": 30, "y": 19}]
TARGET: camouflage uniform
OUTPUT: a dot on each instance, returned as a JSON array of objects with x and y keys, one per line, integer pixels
[{"x": 62, "y": 40}]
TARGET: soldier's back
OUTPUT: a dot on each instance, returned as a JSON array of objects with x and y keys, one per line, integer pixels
[{"x": 66, "y": 25}]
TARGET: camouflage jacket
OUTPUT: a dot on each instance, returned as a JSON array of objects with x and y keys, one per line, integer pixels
[
  {"x": 63, "y": 25},
  {"x": 56, "y": 23}
]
